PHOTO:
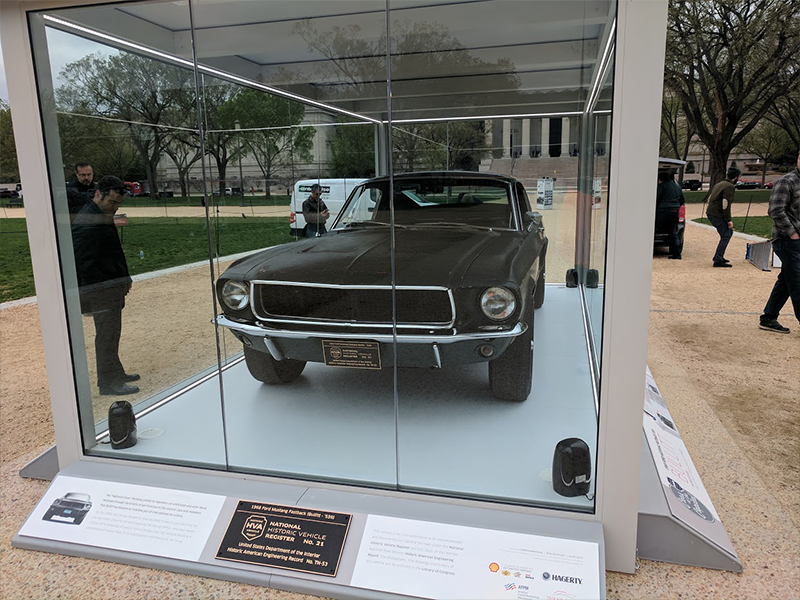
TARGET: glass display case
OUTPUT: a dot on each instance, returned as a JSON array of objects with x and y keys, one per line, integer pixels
[{"x": 353, "y": 246}]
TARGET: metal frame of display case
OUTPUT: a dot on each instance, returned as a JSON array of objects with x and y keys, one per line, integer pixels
[{"x": 641, "y": 32}]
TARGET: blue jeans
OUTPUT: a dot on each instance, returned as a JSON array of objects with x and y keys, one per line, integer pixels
[
  {"x": 725, "y": 234},
  {"x": 788, "y": 283}
]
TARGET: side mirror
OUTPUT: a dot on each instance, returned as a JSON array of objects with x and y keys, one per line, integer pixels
[{"x": 534, "y": 219}]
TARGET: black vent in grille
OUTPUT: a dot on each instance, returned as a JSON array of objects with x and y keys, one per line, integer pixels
[{"x": 365, "y": 305}]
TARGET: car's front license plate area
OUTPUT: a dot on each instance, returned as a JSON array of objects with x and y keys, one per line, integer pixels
[{"x": 352, "y": 353}]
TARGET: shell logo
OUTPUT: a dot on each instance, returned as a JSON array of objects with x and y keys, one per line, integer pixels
[{"x": 494, "y": 567}]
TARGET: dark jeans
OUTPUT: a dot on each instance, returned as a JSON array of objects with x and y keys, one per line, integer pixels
[
  {"x": 725, "y": 234},
  {"x": 667, "y": 222},
  {"x": 315, "y": 230},
  {"x": 788, "y": 283},
  {"x": 106, "y": 310}
]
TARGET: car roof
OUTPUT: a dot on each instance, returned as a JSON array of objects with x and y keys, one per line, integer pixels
[{"x": 447, "y": 174}]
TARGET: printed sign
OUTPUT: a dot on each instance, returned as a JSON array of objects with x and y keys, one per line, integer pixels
[
  {"x": 686, "y": 496},
  {"x": 355, "y": 354},
  {"x": 286, "y": 537},
  {"x": 436, "y": 560},
  {"x": 121, "y": 516},
  {"x": 544, "y": 194},
  {"x": 326, "y": 189}
]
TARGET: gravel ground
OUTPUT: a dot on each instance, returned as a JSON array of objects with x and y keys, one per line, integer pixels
[{"x": 732, "y": 388}]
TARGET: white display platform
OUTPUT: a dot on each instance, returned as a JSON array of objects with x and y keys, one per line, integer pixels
[
  {"x": 438, "y": 550},
  {"x": 452, "y": 436}
]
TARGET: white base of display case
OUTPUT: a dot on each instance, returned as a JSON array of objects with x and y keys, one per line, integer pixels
[
  {"x": 563, "y": 547},
  {"x": 452, "y": 436}
]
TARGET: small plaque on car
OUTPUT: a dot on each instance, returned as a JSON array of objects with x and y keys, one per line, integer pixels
[{"x": 352, "y": 353}]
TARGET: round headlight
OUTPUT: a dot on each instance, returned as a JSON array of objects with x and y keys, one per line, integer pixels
[
  {"x": 498, "y": 303},
  {"x": 235, "y": 295}
]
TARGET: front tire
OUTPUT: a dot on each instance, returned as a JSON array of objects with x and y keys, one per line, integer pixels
[
  {"x": 511, "y": 373},
  {"x": 267, "y": 370}
]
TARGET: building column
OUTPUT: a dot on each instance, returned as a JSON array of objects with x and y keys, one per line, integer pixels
[
  {"x": 565, "y": 136},
  {"x": 506, "y": 138},
  {"x": 526, "y": 138},
  {"x": 545, "y": 138},
  {"x": 488, "y": 138}
]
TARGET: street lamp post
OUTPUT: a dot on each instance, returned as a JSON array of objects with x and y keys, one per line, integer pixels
[{"x": 238, "y": 127}]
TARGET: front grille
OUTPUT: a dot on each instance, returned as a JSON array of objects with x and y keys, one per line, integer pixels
[{"x": 426, "y": 307}]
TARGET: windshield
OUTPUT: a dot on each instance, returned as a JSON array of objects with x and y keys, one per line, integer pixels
[{"x": 431, "y": 202}]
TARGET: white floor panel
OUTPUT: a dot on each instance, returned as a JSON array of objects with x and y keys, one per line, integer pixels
[{"x": 453, "y": 436}]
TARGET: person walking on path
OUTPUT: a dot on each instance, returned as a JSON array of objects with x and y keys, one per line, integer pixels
[
  {"x": 669, "y": 199},
  {"x": 784, "y": 208},
  {"x": 719, "y": 213}
]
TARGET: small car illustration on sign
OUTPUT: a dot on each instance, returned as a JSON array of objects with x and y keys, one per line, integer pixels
[{"x": 73, "y": 505}]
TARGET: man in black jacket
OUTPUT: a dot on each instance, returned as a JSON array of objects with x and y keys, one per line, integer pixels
[
  {"x": 104, "y": 281},
  {"x": 81, "y": 190}
]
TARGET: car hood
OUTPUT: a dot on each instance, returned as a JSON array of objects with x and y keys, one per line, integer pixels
[{"x": 445, "y": 256}]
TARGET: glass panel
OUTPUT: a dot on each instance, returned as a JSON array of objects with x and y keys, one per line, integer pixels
[
  {"x": 120, "y": 114},
  {"x": 310, "y": 305},
  {"x": 486, "y": 143}
]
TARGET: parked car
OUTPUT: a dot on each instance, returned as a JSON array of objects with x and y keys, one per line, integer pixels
[
  {"x": 469, "y": 271},
  {"x": 691, "y": 184},
  {"x": 6, "y": 193},
  {"x": 73, "y": 506},
  {"x": 769, "y": 185},
  {"x": 748, "y": 184}
]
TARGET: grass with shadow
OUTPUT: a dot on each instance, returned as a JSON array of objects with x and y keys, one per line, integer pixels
[{"x": 150, "y": 244}]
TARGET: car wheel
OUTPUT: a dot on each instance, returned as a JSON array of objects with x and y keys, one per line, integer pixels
[
  {"x": 511, "y": 373},
  {"x": 538, "y": 295},
  {"x": 49, "y": 515},
  {"x": 79, "y": 519},
  {"x": 266, "y": 369}
]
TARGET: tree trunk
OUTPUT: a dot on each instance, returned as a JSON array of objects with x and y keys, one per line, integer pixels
[{"x": 717, "y": 167}]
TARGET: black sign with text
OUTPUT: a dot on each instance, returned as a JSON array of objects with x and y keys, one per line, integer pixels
[
  {"x": 352, "y": 353},
  {"x": 287, "y": 537}
]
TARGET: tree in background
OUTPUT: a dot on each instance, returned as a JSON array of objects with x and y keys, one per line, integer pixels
[
  {"x": 727, "y": 63},
  {"x": 271, "y": 134},
  {"x": 766, "y": 141},
  {"x": 352, "y": 150},
  {"x": 676, "y": 130},
  {"x": 219, "y": 118},
  {"x": 786, "y": 113},
  {"x": 9, "y": 170},
  {"x": 138, "y": 92}
]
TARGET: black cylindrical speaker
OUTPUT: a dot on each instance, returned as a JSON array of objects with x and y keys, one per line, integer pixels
[
  {"x": 572, "y": 467},
  {"x": 121, "y": 425}
]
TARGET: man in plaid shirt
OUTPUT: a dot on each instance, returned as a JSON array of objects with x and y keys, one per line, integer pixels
[{"x": 784, "y": 208}]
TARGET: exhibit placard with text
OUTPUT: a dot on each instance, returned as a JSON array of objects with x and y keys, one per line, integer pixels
[
  {"x": 684, "y": 491},
  {"x": 286, "y": 537},
  {"x": 122, "y": 516},
  {"x": 437, "y": 560}
]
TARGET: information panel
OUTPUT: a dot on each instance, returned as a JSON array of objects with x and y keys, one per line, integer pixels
[
  {"x": 436, "y": 560},
  {"x": 286, "y": 537}
]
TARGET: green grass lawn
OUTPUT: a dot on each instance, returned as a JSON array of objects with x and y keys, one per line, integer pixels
[
  {"x": 740, "y": 196},
  {"x": 197, "y": 200},
  {"x": 760, "y": 226},
  {"x": 164, "y": 242}
]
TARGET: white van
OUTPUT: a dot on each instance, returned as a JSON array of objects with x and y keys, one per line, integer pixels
[{"x": 334, "y": 194}]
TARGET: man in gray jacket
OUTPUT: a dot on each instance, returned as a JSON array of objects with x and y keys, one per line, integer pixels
[{"x": 784, "y": 208}]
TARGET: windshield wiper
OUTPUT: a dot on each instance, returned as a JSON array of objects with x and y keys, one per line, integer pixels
[
  {"x": 367, "y": 223},
  {"x": 450, "y": 224}
]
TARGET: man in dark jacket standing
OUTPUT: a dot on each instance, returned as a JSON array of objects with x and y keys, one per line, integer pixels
[
  {"x": 669, "y": 199},
  {"x": 80, "y": 190},
  {"x": 104, "y": 281},
  {"x": 784, "y": 208},
  {"x": 315, "y": 212},
  {"x": 719, "y": 213}
]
